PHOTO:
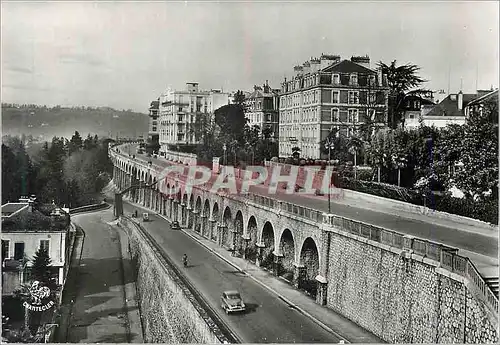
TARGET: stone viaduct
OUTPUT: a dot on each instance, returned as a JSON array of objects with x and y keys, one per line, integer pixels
[{"x": 401, "y": 288}]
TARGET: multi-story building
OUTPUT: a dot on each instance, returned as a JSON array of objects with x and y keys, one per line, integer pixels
[
  {"x": 453, "y": 109},
  {"x": 179, "y": 111},
  {"x": 153, "y": 121},
  {"x": 262, "y": 109},
  {"x": 26, "y": 227},
  {"x": 328, "y": 94}
]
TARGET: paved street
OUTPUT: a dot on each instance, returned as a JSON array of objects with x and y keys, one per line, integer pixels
[
  {"x": 401, "y": 222},
  {"x": 268, "y": 320},
  {"x": 99, "y": 312}
]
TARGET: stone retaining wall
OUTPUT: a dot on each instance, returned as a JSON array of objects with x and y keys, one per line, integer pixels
[
  {"x": 402, "y": 300},
  {"x": 168, "y": 314}
]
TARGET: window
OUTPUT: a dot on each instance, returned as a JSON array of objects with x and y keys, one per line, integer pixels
[
  {"x": 335, "y": 98},
  {"x": 353, "y": 97},
  {"x": 44, "y": 244},
  {"x": 353, "y": 80},
  {"x": 353, "y": 116},
  {"x": 371, "y": 80},
  {"x": 18, "y": 250},
  {"x": 5, "y": 249},
  {"x": 335, "y": 115},
  {"x": 326, "y": 96},
  {"x": 154, "y": 129},
  {"x": 336, "y": 79}
]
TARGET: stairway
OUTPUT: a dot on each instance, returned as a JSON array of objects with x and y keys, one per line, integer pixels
[{"x": 492, "y": 282}]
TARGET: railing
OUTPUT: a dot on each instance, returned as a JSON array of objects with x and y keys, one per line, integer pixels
[{"x": 447, "y": 256}]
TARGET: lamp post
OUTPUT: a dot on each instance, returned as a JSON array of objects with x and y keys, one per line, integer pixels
[
  {"x": 330, "y": 145},
  {"x": 224, "y": 147}
]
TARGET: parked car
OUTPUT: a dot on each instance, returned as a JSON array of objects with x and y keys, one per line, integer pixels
[
  {"x": 175, "y": 225},
  {"x": 231, "y": 301}
]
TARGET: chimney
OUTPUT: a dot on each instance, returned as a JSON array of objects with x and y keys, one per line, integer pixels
[
  {"x": 298, "y": 70},
  {"x": 361, "y": 60},
  {"x": 315, "y": 65},
  {"x": 460, "y": 100},
  {"x": 307, "y": 67},
  {"x": 327, "y": 60},
  {"x": 379, "y": 76}
]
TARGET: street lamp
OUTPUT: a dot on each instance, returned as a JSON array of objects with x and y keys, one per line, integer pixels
[
  {"x": 224, "y": 147},
  {"x": 329, "y": 145}
]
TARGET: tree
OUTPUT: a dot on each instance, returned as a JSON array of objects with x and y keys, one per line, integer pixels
[
  {"x": 400, "y": 80},
  {"x": 478, "y": 178},
  {"x": 231, "y": 120},
  {"x": 239, "y": 99},
  {"x": 75, "y": 143},
  {"x": 41, "y": 269}
]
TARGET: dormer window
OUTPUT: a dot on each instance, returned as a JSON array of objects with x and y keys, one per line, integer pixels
[
  {"x": 371, "y": 80},
  {"x": 336, "y": 79},
  {"x": 353, "y": 80}
]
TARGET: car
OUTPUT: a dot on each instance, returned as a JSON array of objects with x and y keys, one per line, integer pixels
[
  {"x": 175, "y": 225},
  {"x": 231, "y": 301}
]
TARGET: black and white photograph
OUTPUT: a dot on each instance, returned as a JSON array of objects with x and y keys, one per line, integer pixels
[{"x": 224, "y": 172}]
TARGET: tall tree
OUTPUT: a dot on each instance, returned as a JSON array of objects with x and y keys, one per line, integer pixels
[
  {"x": 76, "y": 143},
  {"x": 479, "y": 176},
  {"x": 41, "y": 269},
  {"x": 400, "y": 80}
]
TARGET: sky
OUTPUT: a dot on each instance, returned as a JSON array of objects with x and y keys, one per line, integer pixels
[{"x": 125, "y": 54}]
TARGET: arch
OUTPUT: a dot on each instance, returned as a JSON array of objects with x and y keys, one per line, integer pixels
[
  {"x": 309, "y": 258},
  {"x": 215, "y": 217},
  {"x": 267, "y": 239},
  {"x": 226, "y": 239},
  {"x": 205, "y": 216},
  {"x": 184, "y": 210},
  {"x": 287, "y": 249},
  {"x": 238, "y": 232},
  {"x": 252, "y": 235},
  {"x": 191, "y": 208},
  {"x": 197, "y": 206}
]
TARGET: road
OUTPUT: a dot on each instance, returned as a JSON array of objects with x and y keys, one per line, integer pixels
[
  {"x": 99, "y": 313},
  {"x": 269, "y": 319},
  {"x": 468, "y": 241}
]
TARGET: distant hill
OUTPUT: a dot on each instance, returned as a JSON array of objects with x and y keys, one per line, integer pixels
[{"x": 44, "y": 123}]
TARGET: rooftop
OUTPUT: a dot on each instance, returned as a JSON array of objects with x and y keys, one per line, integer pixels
[
  {"x": 12, "y": 208},
  {"x": 449, "y": 106},
  {"x": 18, "y": 217}
]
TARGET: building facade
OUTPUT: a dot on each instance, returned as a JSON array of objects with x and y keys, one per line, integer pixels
[
  {"x": 262, "y": 109},
  {"x": 328, "y": 94},
  {"x": 25, "y": 229},
  {"x": 179, "y": 111},
  {"x": 153, "y": 135},
  {"x": 453, "y": 109}
]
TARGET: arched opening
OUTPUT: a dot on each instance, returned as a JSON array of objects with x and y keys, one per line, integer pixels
[
  {"x": 309, "y": 257},
  {"x": 239, "y": 248},
  {"x": 268, "y": 241},
  {"x": 205, "y": 216},
  {"x": 252, "y": 234},
  {"x": 184, "y": 209},
  {"x": 226, "y": 237},
  {"x": 191, "y": 206},
  {"x": 198, "y": 210},
  {"x": 287, "y": 249},
  {"x": 215, "y": 216}
]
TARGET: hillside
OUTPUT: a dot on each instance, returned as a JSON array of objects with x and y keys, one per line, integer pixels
[{"x": 43, "y": 123}]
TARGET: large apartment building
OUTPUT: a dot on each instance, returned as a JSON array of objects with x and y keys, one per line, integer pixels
[
  {"x": 327, "y": 94},
  {"x": 178, "y": 111},
  {"x": 153, "y": 121},
  {"x": 263, "y": 108}
]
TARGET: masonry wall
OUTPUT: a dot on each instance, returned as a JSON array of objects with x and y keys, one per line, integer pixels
[
  {"x": 401, "y": 300},
  {"x": 168, "y": 314}
]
